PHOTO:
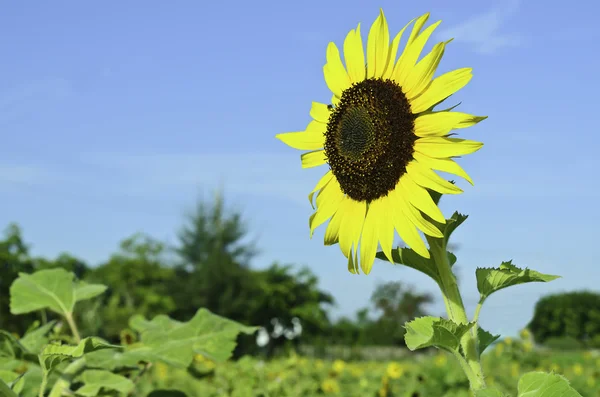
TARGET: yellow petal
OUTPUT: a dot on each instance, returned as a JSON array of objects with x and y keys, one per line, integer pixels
[
  {"x": 419, "y": 198},
  {"x": 400, "y": 194},
  {"x": 444, "y": 165},
  {"x": 354, "y": 55},
  {"x": 441, "y": 88},
  {"x": 440, "y": 147},
  {"x": 378, "y": 46},
  {"x": 391, "y": 61},
  {"x": 320, "y": 112},
  {"x": 408, "y": 232},
  {"x": 420, "y": 76},
  {"x": 311, "y": 139},
  {"x": 426, "y": 178},
  {"x": 328, "y": 202},
  {"x": 332, "y": 233},
  {"x": 353, "y": 262},
  {"x": 313, "y": 159},
  {"x": 441, "y": 123},
  {"x": 411, "y": 54},
  {"x": 352, "y": 224},
  {"x": 334, "y": 72},
  {"x": 320, "y": 185},
  {"x": 376, "y": 226},
  {"x": 386, "y": 228}
]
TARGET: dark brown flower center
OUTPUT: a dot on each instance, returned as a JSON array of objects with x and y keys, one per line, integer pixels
[{"x": 370, "y": 139}]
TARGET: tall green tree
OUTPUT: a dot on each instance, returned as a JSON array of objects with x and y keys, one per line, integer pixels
[{"x": 214, "y": 263}]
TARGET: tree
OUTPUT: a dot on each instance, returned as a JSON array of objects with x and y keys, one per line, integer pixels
[
  {"x": 14, "y": 258},
  {"x": 214, "y": 263},
  {"x": 574, "y": 315},
  {"x": 138, "y": 282}
]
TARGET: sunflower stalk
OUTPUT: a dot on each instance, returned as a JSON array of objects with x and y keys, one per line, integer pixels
[{"x": 456, "y": 312}]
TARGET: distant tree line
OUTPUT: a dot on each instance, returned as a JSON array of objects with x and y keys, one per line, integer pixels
[{"x": 209, "y": 267}]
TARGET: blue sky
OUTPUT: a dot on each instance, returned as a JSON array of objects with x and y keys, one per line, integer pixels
[{"x": 115, "y": 116}]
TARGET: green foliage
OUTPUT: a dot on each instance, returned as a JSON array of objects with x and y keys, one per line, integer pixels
[
  {"x": 435, "y": 331},
  {"x": 574, "y": 315},
  {"x": 490, "y": 280},
  {"x": 541, "y": 384},
  {"x": 40, "y": 361}
]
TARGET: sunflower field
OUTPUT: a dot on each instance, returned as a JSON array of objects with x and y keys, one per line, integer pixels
[{"x": 426, "y": 375}]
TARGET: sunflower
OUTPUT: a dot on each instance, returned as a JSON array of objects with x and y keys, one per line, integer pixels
[{"x": 382, "y": 141}]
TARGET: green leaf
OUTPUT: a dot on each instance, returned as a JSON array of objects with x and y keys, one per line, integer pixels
[
  {"x": 84, "y": 291},
  {"x": 35, "y": 339},
  {"x": 485, "y": 339},
  {"x": 113, "y": 359},
  {"x": 18, "y": 383},
  {"x": 542, "y": 384},
  {"x": 12, "y": 348},
  {"x": 96, "y": 380},
  {"x": 408, "y": 257},
  {"x": 54, "y": 354},
  {"x": 452, "y": 224},
  {"x": 175, "y": 342},
  {"x": 434, "y": 331},
  {"x": 52, "y": 289},
  {"x": 489, "y": 392},
  {"x": 6, "y": 391},
  {"x": 490, "y": 280}
]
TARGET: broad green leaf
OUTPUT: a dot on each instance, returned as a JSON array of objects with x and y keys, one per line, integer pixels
[
  {"x": 485, "y": 339},
  {"x": 176, "y": 342},
  {"x": 35, "y": 339},
  {"x": 53, "y": 354},
  {"x": 113, "y": 359},
  {"x": 17, "y": 384},
  {"x": 96, "y": 380},
  {"x": 8, "y": 376},
  {"x": 493, "y": 392},
  {"x": 408, "y": 257},
  {"x": 6, "y": 391},
  {"x": 84, "y": 291},
  {"x": 434, "y": 331},
  {"x": 52, "y": 289},
  {"x": 451, "y": 258},
  {"x": 452, "y": 224},
  {"x": 490, "y": 280},
  {"x": 542, "y": 384}
]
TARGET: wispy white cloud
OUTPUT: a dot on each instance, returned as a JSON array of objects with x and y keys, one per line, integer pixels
[
  {"x": 260, "y": 174},
  {"x": 24, "y": 175},
  {"x": 483, "y": 31}
]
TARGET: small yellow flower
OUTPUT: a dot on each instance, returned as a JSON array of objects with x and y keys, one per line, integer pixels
[
  {"x": 587, "y": 355},
  {"x": 338, "y": 366},
  {"x": 394, "y": 370},
  {"x": 440, "y": 360},
  {"x": 508, "y": 340},
  {"x": 319, "y": 364},
  {"x": 555, "y": 368},
  {"x": 525, "y": 334},
  {"x": 330, "y": 386},
  {"x": 578, "y": 369},
  {"x": 356, "y": 372},
  {"x": 383, "y": 391},
  {"x": 363, "y": 383},
  {"x": 515, "y": 369},
  {"x": 499, "y": 349},
  {"x": 206, "y": 362},
  {"x": 527, "y": 346},
  {"x": 591, "y": 381},
  {"x": 161, "y": 370}
]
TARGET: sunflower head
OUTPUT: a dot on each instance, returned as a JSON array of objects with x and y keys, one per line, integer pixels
[{"x": 382, "y": 141}]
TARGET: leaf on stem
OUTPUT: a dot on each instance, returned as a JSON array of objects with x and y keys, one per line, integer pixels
[
  {"x": 175, "y": 343},
  {"x": 485, "y": 339},
  {"x": 434, "y": 331},
  {"x": 408, "y": 257},
  {"x": 95, "y": 381},
  {"x": 543, "y": 384},
  {"x": 53, "y": 289},
  {"x": 54, "y": 354},
  {"x": 490, "y": 280}
]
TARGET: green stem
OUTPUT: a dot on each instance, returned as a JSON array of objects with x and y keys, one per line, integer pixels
[
  {"x": 456, "y": 310},
  {"x": 73, "y": 326},
  {"x": 68, "y": 374},
  {"x": 44, "y": 383},
  {"x": 476, "y": 318}
]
